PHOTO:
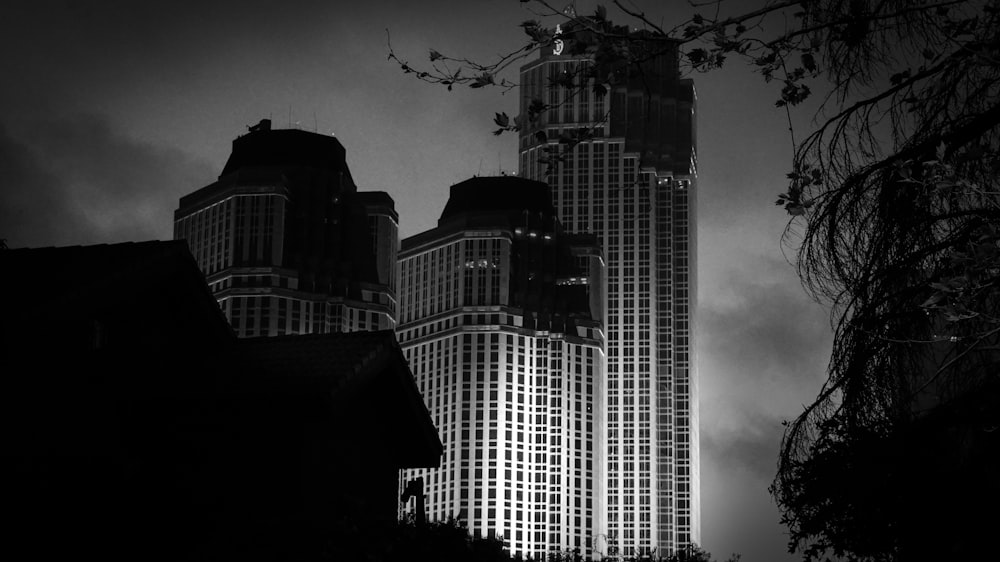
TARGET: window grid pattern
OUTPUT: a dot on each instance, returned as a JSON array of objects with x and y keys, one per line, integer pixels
[
  {"x": 514, "y": 407},
  {"x": 384, "y": 231},
  {"x": 237, "y": 243},
  {"x": 644, "y": 219}
]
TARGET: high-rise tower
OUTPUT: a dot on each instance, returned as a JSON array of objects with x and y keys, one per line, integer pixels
[
  {"x": 501, "y": 321},
  {"x": 632, "y": 184},
  {"x": 286, "y": 241}
]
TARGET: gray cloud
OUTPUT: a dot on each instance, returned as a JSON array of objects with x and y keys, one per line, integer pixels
[
  {"x": 77, "y": 181},
  {"x": 762, "y": 348},
  {"x": 32, "y": 209},
  {"x": 777, "y": 327},
  {"x": 754, "y": 450}
]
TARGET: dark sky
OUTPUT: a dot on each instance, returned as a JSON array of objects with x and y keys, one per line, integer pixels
[{"x": 110, "y": 111}]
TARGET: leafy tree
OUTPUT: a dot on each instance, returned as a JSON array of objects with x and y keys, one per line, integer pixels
[{"x": 894, "y": 208}]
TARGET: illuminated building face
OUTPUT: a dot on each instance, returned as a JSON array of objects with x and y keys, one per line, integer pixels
[
  {"x": 501, "y": 325},
  {"x": 633, "y": 185}
]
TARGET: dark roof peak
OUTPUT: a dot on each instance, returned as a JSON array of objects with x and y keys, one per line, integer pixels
[
  {"x": 498, "y": 194},
  {"x": 263, "y": 146}
]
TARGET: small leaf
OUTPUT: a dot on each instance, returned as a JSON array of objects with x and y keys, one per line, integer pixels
[
  {"x": 899, "y": 77},
  {"x": 697, "y": 56},
  {"x": 501, "y": 119},
  {"x": 483, "y": 79},
  {"x": 809, "y": 62},
  {"x": 435, "y": 55},
  {"x": 767, "y": 60},
  {"x": 564, "y": 79},
  {"x": 942, "y": 287},
  {"x": 956, "y": 313},
  {"x": 932, "y": 300}
]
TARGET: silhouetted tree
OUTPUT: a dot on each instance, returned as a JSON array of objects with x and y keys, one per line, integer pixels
[
  {"x": 692, "y": 553},
  {"x": 695, "y": 554},
  {"x": 895, "y": 222},
  {"x": 405, "y": 541}
]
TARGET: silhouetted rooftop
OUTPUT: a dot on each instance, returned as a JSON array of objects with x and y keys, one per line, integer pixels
[
  {"x": 376, "y": 198},
  {"x": 335, "y": 356},
  {"x": 61, "y": 266},
  {"x": 379, "y": 200},
  {"x": 49, "y": 288},
  {"x": 43, "y": 276},
  {"x": 365, "y": 370},
  {"x": 498, "y": 194},
  {"x": 264, "y": 147}
]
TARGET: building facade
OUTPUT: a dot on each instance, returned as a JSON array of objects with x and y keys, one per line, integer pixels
[
  {"x": 630, "y": 180},
  {"x": 286, "y": 241},
  {"x": 501, "y": 320},
  {"x": 383, "y": 228}
]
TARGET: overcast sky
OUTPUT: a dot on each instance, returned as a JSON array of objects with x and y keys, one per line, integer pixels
[{"x": 110, "y": 111}]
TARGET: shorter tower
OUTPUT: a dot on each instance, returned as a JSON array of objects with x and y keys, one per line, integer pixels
[
  {"x": 286, "y": 241},
  {"x": 383, "y": 227},
  {"x": 501, "y": 320}
]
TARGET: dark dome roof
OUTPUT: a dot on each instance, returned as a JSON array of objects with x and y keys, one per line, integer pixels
[
  {"x": 498, "y": 194},
  {"x": 286, "y": 148}
]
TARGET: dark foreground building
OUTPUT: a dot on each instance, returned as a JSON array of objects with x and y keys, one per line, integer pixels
[
  {"x": 286, "y": 241},
  {"x": 502, "y": 323},
  {"x": 137, "y": 426}
]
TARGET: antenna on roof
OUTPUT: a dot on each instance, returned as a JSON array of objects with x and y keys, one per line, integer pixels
[{"x": 480, "y": 166}]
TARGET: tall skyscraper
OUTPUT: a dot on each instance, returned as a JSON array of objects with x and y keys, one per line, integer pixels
[
  {"x": 632, "y": 185},
  {"x": 501, "y": 321},
  {"x": 286, "y": 241}
]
